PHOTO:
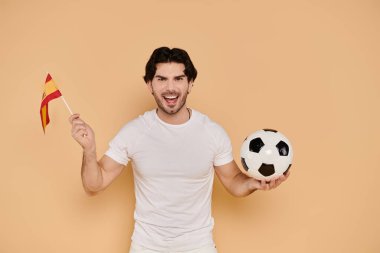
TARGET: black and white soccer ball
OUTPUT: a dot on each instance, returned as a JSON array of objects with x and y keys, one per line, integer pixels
[{"x": 266, "y": 154}]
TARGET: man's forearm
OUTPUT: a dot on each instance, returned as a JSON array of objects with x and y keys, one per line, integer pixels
[{"x": 92, "y": 178}]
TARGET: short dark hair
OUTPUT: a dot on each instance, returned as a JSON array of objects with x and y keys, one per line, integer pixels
[{"x": 165, "y": 54}]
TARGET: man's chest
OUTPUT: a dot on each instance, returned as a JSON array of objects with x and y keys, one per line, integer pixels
[{"x": 183, "y": 156}]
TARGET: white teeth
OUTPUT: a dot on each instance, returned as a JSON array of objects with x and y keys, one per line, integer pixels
[{"x": 170, "y": 97}]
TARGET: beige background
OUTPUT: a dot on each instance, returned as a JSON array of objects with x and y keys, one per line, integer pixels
[{"x": 307, "y": 68}]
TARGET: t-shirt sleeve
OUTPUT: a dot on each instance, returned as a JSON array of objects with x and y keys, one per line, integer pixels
[
  {"x": 117, "y": 151},
  {"x": 224, "y": 147},
  {"x": 118, "y": 146}
]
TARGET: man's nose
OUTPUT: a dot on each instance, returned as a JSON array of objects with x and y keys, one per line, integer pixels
[{"x": 170, "y": 85}]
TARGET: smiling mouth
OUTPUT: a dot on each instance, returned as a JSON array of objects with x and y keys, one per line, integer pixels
[{"x": 171, "y": 99}]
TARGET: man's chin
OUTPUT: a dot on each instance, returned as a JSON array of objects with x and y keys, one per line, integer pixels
[{"x": 170, "y": 110}]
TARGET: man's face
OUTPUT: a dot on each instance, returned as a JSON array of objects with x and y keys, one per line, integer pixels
[{"x": 170, "y": 87}]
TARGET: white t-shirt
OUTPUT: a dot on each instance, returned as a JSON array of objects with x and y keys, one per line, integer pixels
[{"x": 173, "y": 176}]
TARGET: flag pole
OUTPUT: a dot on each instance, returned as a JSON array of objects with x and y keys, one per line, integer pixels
[{"x": 67, "y": 106}]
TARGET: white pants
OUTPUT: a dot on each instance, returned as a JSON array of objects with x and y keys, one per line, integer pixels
[{"x": 139, "y": 249}]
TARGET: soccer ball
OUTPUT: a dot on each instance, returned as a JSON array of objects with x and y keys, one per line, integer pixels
[{"x": 266, "y": 154}]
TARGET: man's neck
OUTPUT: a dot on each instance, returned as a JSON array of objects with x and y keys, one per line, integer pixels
[{"x": 181, "y": 117}]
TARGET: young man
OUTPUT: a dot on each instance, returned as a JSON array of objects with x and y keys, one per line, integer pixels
[{"x": 174, "y": 152}]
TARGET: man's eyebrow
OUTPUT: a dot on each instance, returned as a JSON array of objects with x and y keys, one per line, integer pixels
[
  {"x": 159, "y": 76},
  {"x": 180, "y": 76}
]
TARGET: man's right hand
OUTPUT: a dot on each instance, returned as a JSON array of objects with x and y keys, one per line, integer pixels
[{"x": 82, "y": 133}]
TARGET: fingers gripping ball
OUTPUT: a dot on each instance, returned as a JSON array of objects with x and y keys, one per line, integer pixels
[{"x": 266, "y": 154}]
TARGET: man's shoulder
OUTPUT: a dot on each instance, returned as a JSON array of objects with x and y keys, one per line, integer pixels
[
  {"x": 140, "y": 123},
  {"x": 207, "y": 122},
  {"x": 205, "y": 119}
]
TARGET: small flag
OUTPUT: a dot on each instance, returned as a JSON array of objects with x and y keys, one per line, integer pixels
[{"x": 50, "y": 92}]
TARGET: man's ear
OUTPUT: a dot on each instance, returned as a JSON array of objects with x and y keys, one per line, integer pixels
[
  {"x": 190, "y": 86},
  {"x": 149, "y": 86}
]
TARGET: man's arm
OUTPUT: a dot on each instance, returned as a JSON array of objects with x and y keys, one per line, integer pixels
[
  {"x": 96, "y": 175},
  {"x": 239, "y": 184}
]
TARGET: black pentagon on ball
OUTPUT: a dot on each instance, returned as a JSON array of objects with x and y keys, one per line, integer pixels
[
  {"x": 270, "y": 130},
  {"x": 255, "y": 145},
  {"x": 266, "y": 169},
  {"x": 283, "y": 148},
  {"x": 244, "y": 164},
  {"x": 286, "y": 171}
]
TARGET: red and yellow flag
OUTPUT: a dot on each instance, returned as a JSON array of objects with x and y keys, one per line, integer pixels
[{"x": 50, "y": 92}]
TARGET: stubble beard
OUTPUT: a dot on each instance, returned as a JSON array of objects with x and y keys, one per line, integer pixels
[{"x": 170, "y": 111}]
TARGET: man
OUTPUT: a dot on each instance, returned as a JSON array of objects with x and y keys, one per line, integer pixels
[{"x": 174, "y": 152}]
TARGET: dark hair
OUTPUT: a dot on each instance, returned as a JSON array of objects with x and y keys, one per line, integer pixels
[{"x": 165, "y": 54}]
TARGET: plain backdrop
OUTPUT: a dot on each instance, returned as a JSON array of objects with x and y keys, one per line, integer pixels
[{"x": 309, "y": 69}]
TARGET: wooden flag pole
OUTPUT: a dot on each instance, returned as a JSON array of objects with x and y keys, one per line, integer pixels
[{"x": 67, "y": 106}]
